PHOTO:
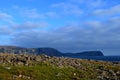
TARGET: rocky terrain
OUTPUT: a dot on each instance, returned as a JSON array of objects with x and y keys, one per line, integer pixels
[
  {"x": 19, "y": 50},
  {"x": 47, "y": 51},
  {"x": 43, "y": 67}
]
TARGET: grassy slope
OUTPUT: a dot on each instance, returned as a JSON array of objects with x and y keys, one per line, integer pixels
[
  {"x": 39, "y": 72},
  {"x": 46, "y": 71}
]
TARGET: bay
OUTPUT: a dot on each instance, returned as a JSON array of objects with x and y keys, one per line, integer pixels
[{"x": 103, "y": 58}]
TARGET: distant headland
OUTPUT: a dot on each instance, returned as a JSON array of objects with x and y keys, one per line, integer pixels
[{"x": 46, "y": 51}]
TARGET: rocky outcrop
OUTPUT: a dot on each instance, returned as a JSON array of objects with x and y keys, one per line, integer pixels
[
  {"x": 20, "y": 50},
  {"x": 102, "y": 70}
]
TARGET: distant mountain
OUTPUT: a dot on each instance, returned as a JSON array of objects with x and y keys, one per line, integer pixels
[
  {"x": 47, "y": 51},
  {"x": 20, "y": 50}
]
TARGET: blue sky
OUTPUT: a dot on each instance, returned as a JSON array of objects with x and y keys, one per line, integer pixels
[{"x": 67, "y": 25}]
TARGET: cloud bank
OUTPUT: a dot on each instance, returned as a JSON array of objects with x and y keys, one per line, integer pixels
[{"x": 88, "y": 36}]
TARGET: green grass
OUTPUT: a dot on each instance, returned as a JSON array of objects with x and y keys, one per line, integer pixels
[
  {"x": 43, "y": 71},
  {"x": 37, "y": 72},
  {"x": 47, "y": 71}
]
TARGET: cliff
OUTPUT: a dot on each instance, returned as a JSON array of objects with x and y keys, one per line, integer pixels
[
  {"x": 47, "y": 51},
  {"x": 20, "y": 50}
]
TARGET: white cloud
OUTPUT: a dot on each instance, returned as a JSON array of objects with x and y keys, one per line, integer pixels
[
  {"x": 94, "y": 35},
  {"x": 97, "y": 3},
  {"x": 51, "y": 14},
  {"x": 67, "y": 8},
  {"x": 90, "y": 3},
  {"x": 32, "y": 13},
  {"x": 115, "y": 10},
  {"x": 29, "y": 25},
  {"x": 5, "y": 16},
  {"x": 5, "y": 30},
  {"x": 5, "y": 20}
]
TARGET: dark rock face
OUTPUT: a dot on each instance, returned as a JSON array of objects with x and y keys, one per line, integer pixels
[
  {"x": 19, "y": 50},
  {"x": 47, "y": 51}
]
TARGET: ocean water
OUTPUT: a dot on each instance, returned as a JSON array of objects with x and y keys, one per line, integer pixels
[{"x": 103, "y": 58}]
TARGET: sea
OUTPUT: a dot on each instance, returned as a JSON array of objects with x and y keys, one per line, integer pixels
[{"x": 101, "y": 58}]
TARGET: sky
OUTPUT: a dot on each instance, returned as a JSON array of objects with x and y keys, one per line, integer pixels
[{"x": 66, "y": 25}]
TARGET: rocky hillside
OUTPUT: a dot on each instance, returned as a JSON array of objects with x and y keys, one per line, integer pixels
[
  {"x": 20, "y": 50},
  {"x": 43, "y": 67},
  {"x": 47, "y": 51}
]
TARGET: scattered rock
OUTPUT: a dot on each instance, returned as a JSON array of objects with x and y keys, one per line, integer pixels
[
  {"x": 102, "y": 69},
  {"x": 8, "y": 68}
]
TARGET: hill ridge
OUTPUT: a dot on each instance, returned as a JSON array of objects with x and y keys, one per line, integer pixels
[{"x": 45, "y": 50}]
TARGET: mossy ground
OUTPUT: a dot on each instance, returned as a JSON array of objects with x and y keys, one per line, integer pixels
[
  {"x": 44, "y": 71},
  {"x": 49, "y": 69}
]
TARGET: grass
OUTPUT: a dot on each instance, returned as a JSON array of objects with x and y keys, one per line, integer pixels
[
  {"x": 43, "y": 71},
  {"x": 47, "y": 71},
  {"x": 37, "y": 72}
]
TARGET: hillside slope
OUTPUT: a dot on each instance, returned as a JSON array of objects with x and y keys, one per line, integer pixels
[
  {"x": 47, "y": 51},
  {"x": 20, "y": 50},
  {"x": 43, "y": 67}
]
